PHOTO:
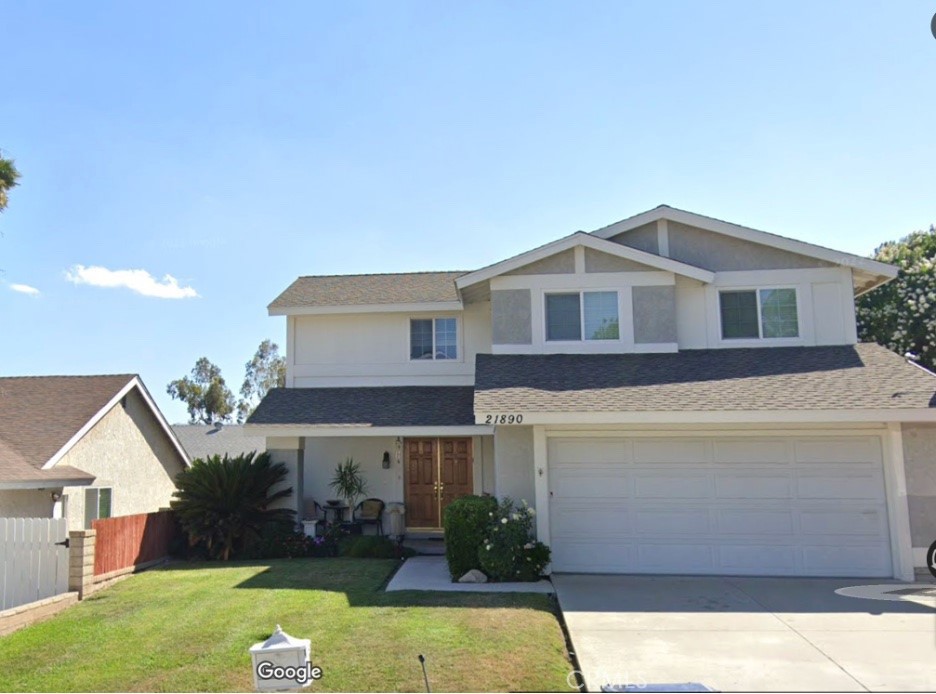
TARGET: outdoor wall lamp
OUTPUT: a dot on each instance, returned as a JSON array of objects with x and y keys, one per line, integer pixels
[{"x": 386, "y": 460}]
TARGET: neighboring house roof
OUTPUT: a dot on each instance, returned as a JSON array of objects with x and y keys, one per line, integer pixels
[
  {"x": 401, "y": 406},
  {"x": 580, "y": 238},
  {"x": 873, "y": 272},
  {"x": 42, "y": 417},
  {"x": 368, "y": 290},
  {"x": 204, "y": 440},
  {"x": 860, "y": 377}
]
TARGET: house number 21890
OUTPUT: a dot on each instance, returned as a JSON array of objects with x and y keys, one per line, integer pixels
[{"x": 503, "y": 419}]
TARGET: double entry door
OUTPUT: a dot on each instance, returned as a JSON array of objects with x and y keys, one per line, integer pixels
[{"x": 438, "y": 471}]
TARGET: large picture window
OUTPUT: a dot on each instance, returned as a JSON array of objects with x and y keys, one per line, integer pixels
[
  {"x": 758, "y": 314},
  {"x": 433, "y": 338},
  {"x": 573, "y": 316}
]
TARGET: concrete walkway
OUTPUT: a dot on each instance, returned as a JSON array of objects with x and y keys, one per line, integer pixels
[
  {"x": 748, "y": 634},
  {"x": 431, "y": 573}
]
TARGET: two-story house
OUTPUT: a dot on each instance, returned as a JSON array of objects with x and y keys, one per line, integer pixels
[{"x": 673, "y": 393}]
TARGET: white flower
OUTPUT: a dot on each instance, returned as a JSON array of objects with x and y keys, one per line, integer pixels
[
  {"x": 504, "y": 521},
  {"x": 488, "y": 547},
  {"x": 531, "y": 511},
  {"x": 528, "y": 545},
  {"x": 491, "y": 514}
]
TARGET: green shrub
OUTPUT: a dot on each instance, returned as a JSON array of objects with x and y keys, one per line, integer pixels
[
  {"x": 223, "y": 504},
  {"x": 508, "y": 551},
  {"x": 278, "y": 541},
  {"x": 466, "y": 522},
  {"x": 371, "y": 547}
]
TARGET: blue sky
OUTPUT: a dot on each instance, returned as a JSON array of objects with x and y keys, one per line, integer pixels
[{"x": 234, "y": 146}]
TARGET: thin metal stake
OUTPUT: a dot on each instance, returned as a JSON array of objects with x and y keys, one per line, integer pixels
[{"x": 422, "y": 661}]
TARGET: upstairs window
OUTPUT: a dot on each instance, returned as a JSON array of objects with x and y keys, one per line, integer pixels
[
  {"x": 572, "y": 315},
  {"x": 758, "y": 314},
  {"x": 433, "y": 338}
]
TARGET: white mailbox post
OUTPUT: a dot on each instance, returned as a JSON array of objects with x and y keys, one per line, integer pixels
[{"x": 281, "y": 663}]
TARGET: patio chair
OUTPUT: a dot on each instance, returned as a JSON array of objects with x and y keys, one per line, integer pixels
[
  {"x": 312, "y": 511},
  {"x": 370, "y": 512}
]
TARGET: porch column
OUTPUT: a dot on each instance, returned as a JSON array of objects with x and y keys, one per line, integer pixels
[
  {"x": 541, "y": 484},
  {"x": 289, "y": 450}
]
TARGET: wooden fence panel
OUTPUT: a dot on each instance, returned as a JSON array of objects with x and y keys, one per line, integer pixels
[
  {"x": 126, "y": 541},
  {"x": 32, "y": 566}
]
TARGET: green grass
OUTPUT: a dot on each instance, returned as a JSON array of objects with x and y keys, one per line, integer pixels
[{"x": 187, "y": 627}]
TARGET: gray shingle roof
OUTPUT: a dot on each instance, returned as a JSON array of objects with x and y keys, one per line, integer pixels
[
  {"x": 350, "y": 290},
  {"x": 40, "y": 414},
  {"x": 204, "y": 440},
  {"x": 403, "y": 406},
  {"x": 864, "y": 376}
]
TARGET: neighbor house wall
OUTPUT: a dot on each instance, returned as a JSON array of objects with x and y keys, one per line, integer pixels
[
  {"x": 919, "y": 445},
  {"x": 128, "y": 451},
  {"x": 513, "y": 454},
  {"x": 373, "y": 349},
  {"x": 26, "y": 503}
]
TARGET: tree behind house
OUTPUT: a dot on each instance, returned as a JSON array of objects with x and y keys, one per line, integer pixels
[
  {"x": 266, "y": 370},
  {"x": 204, "y": 393},
  {"x": 901, "y": 315}
]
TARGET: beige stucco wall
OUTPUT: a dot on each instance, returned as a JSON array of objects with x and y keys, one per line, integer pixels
[
  {"x": 560, "y": 263},
  {"x": 26, "y": 503},
  {"x": 513, "y": 467},
  {"x": 919, "y": 444},
  {"x": 128, "y": 451},
  {"x": 718, "y": 252}
]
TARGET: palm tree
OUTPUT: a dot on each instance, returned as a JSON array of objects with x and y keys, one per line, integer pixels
[
  {"x": 8, "y": 179},
  {"x": 224, "y": 503}
]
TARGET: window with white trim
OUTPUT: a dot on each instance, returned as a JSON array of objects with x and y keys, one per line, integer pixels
[
  {"x": 572, "y": 316},
  {"x": 433, "y": 338},
  {"x": 755, "y": 314},
  {"x": 98, "y": 504}
]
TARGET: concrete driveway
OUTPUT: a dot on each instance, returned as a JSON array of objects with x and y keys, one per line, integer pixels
[{"x": 753, "y": 634}]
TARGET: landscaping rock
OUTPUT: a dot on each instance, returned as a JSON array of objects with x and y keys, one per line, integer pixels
[{"x": 473, "y": 576}]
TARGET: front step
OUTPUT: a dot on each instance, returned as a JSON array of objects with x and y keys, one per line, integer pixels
[{"x": 432, "y": 545}]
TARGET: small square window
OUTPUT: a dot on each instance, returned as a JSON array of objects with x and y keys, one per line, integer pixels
[{"x": 433, "y": 338}]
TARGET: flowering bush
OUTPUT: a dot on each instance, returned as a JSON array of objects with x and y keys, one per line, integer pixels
[
  {"x": 901, "y": 315},
  {"x": 508, "y": 552}
]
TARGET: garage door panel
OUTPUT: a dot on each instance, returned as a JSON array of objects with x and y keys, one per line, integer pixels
[
  {"x": 845, "y": 560},
  {"x": 754, "y": 522},
  {"x": 840, "y": 485},
  {"x": 673, "y": 521},
  {"x": 679, "y": 485},
  {"x": 675, "y": 558},
  {"x": 846, "y": 522},
  {"x": 663, "y": 451},
  {"x": 865, "y": 449},
  {"x": 730, "y": 485},
  {"x": 584, "y": 521},
  {"x": 590, "y": 482},
  {"x": 777, "y": 505},
  {"x": 603, "y": 451},
  {"x": 750, "y": 451},
  {"x": 772, "y": 559}
]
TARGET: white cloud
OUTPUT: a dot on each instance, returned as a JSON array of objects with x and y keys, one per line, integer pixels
[
  {"x": 24, "y": 289},
  {"x": 139, "y": 281}
]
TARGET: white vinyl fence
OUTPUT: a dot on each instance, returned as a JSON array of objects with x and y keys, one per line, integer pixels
[{"x": 32, "y": 566}]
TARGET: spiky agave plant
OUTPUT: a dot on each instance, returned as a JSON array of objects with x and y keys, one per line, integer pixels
[{"x": 224, "y": 503}]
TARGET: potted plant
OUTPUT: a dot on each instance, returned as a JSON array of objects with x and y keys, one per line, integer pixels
[{"x": 349, "y": 483}]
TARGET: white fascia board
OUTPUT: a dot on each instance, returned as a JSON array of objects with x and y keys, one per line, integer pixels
[
  {"x": 134, "y": 382},
  {"x": 50, "y": 483},
  {"x": 351, "y": 430},
  {"x": 748, "y": 234},
  {"x": 715, "y": 417},
  {"x": 580, "y": 238},
  {"x": 425, "y": 307}
]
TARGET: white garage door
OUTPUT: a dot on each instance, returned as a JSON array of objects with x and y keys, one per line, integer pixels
[{"x": 803, "y": 506}]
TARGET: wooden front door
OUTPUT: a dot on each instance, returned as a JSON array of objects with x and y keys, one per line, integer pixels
[{"x": 438, "y": 471}]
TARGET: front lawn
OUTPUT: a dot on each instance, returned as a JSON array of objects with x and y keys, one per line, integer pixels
[{"x": 187, "y": 627}]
